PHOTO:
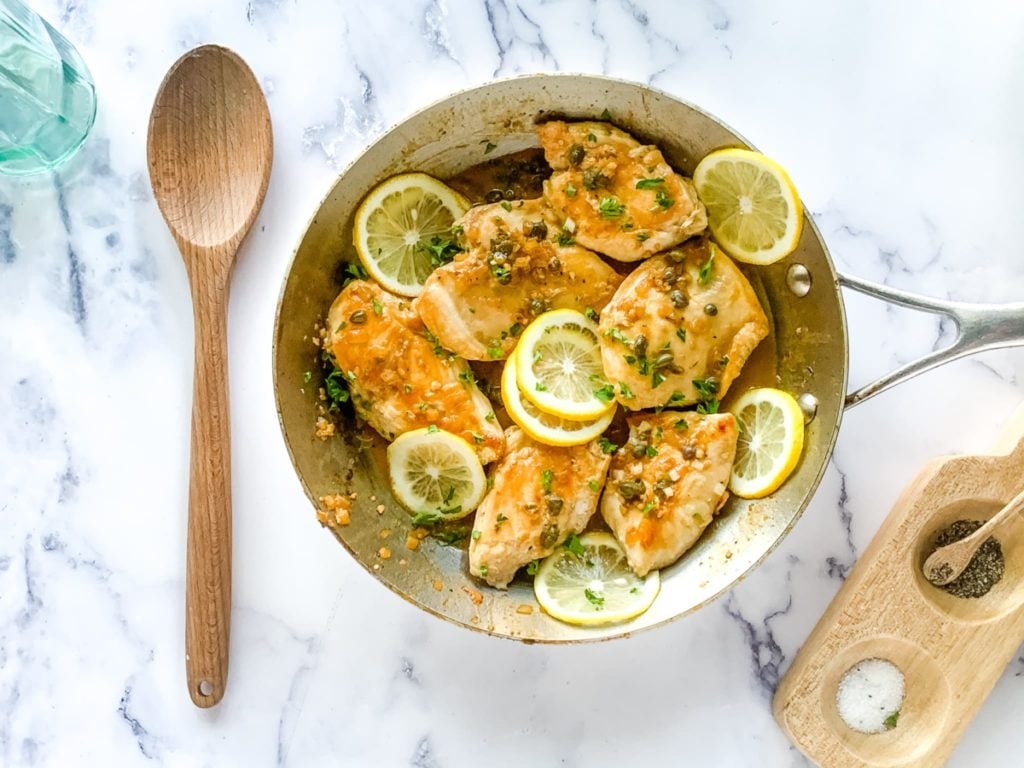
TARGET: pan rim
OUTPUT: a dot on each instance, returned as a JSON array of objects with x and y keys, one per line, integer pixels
[{"x": 626, "y": 630}]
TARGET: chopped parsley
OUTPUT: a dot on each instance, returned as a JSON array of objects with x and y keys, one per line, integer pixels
[
  {"x": 307, "y": 377},
  {"x": 651, "y": 451},
  {"x": 484, "y": 570},
  {"x": 490, "y": 416},
  {"x": 494, "y": 349},
  {"x": 433, "y": 428},
  {"x": 681, "y": 424},
  {"x": 664, "y": 201},
  {"x": 591, "y": 137},
  {"x": 336, "y": 389},
  {"x": 649, "y": 507},
  {"x": 565, "y": 238},
  {"x": 595, "y": 599},
  {"x": 475, "y": 535},
  {"x": 618, "y": 335},
  {"x": 441, "y": 250},
  {"x": 642, "y": 236},
  {"x": 706, "y": 269},
  {"x": 625, "y": 391},
  {"x": 891, "y": 720},
  {"x": 606, "y": 115},
  {"x": 605, "y": 394},
  {"x": 681, "y": 334},
  {"x": 649, "y": 183},
  {"x": 594, "y": 486},
  {"x": 570, "y": 190},
  {"x": 657, "y": 378},
  {"x": 506, "y": 205},
  {"x": 477, "y": 437},
  {"x": 489, "y": 147},
  {"x": 540, "y": 387},
  {"x": 499, "y": 520},
  {"x": 706, "y": 391},
  {"x": 607, "y": 446},
  {"x": 546, "y": 478},
  {"x": 452, "y": 536},
  {"x": 354, "y": 271},
  {"x": 426, "y": 518},
  {"x": 532, "y": 566},
  {"x": 466, "y": 377},
  {"x": 378, "y": 308},
  {"x": 611, "y": 208},
  {"x": 574, "y": 545}
]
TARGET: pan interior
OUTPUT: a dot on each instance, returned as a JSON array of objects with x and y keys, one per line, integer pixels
[{"x": 805, "y": 354}]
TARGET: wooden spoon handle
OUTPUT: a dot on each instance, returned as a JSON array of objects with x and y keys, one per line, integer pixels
[{"x": 208, "y": 566}]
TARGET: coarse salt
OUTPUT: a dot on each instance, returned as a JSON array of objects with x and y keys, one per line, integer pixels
[{"x": 870, "y": 694}]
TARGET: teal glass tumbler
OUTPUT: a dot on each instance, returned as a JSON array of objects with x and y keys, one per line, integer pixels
[{"x": 47, "y": 97}]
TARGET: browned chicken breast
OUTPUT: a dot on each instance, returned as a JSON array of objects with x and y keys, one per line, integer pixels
[
  {"x": 541, "y": 494},
  {"x": 517, "y": 264},
  {"x": 680, "y": 328},
  {"x": 622, "y": 198},
  {"x": 400, "y": 377},
  {"x": 666, "y": 484}
]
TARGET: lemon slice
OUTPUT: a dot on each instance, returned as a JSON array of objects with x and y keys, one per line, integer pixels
[
  {"x": 436, "y": 472},
  {"x": 543, "y": 427},
  {"x": 596, "y": 587},
  {"x": 771, "y": 427},
  {"x": 395, "y": 223},
  {"x": 558, "y": 366},
  {"x": 753, "y": 209}
]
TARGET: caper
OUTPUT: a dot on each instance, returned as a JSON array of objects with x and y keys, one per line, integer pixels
[
  {"x": 537, "y": 307},
  {"x": 677, "y": 256},
  {"x": 535, "y": 229},
  {"x": 358, "y": 317},
  {"x": 576, "y": 153},
  {"x": 638, "y": 449},
  {"x": 555, "y": 504},
  {"x": 632, "y": 489},
  {"x": 494, "y": 196},
  {"x": 670, "y": 276},
  {"x": 661, "y": 485},
  {"x": 689, "y": 452},
  {"x": 549, "y": 536},
  {"x": 640, "y": 345},
  {"x": 509, "y": 194},
  {"x": 678, "y": 299},
  {"x": 555, "y": 265},
  {"x": 710, "y": 309},
  {"x": 664, "y": 360},
  {"x": 713, "y": 384}
]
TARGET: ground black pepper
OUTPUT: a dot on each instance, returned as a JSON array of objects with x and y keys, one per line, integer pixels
[{"x": 986, "y": 567}]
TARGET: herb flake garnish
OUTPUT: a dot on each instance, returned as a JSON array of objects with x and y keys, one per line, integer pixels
[
  {"x": 607, "y": 446},
  {"x": 574, "y": 545},
  {"x": 546, "y": 478},
  {"x": 610, "y": 208},
  {"x": 595, "y": 599},
  {"x": 706, "y": 269},
  {"x": 649, "y": 183}
]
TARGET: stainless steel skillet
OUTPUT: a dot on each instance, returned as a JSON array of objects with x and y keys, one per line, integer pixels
[{"x": 806, "y": 354}]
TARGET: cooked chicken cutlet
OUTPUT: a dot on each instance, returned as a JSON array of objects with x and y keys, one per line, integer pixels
[
  {"x": 680, "y": 328},
  {"x": 401, "y": 379},
  {"x": 513, "y": 268},
  {"x": 541, "y": 494},
  {"x": 666, "y": 484},
  {"x": 624, "y": 199}
]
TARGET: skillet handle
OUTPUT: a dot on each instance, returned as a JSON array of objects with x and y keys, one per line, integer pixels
[{"x": 979, "y": 327}]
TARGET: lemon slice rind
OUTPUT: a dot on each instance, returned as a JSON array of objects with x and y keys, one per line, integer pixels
[
  {"x": 595, "y": 588},
  {"x": 559, "y": 368},
  {"x": 435, "y": 471},
  {"x": 754, "y": 211},
  {"x": 396, "y": 220},
  {"x": 771, "y": 440}
]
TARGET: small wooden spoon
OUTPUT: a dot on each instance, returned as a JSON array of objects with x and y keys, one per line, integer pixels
[
  {"x": 947, "y": 563},
  {"x": 210, "y": 147}
]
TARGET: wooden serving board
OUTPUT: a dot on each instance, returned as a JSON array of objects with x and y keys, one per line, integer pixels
[{"x": 951, "y": 650}]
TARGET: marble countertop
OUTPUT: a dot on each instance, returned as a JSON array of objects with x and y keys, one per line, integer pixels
[{"x": 900, "y": 123}]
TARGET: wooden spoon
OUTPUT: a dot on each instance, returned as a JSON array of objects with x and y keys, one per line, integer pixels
[
  {"x": 209, "y": 148},
  {"x": 947, "y": 563}
]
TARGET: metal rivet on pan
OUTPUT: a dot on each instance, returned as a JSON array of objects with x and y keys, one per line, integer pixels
[
  {"x": 205, "y": 688},
  {"x": 809, "y": 405},
  {"x": 798, "y": 279}
]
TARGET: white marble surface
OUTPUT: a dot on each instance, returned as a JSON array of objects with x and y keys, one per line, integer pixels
[{"x": 900, "y": 123}]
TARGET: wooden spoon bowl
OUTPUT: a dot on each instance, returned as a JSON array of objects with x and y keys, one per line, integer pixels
[{"x": 210, "y": 147}]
